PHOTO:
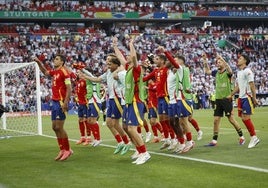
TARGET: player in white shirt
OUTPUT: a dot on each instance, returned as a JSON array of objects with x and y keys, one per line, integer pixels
[
  {"x": 247, "y": 96},
  {"x": 114, "y": 110}
]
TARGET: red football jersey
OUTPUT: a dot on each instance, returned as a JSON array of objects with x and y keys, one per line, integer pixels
[
  {"x": 81, "y": 91},
  {"x": 160, "y": 76},
  {"x": 152, "y": 98},
  {"x": 58, "y": 83}
]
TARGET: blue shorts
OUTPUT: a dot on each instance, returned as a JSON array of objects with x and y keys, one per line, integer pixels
[
  {"x": 184, "y": 108},
  {"x": 190, "y": 102},
  {"x": 173, "y": 110},
  {"x": 145, "y": 108},
  {"x": 152, "y": 113},
  {"x": 93, "y": 109},
  {"x": 134, "y": 114},
  {"x": 113, "y": 110},
  {"x": 245, "y": 106},
  {"x": 162, "y": 105},
  {"x": 82, "y": 110},
  {"x": 56, "y": 111}
]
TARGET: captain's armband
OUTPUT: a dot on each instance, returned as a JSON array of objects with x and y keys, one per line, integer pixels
[{"x": 67, "y": 81}]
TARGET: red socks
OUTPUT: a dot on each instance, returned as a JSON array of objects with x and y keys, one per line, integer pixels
[
  {"x": 118, "y": 138},
  {"x": 125, "y": 139},
  {"x": 63, "y": 143},
  {"x": 165, "y": 128},
  {"x": 95, "y": 130},
  {"x": 82, "y": 125},
  {"x": 250, "y": 127},
  {"x": 195, "y": 124}
]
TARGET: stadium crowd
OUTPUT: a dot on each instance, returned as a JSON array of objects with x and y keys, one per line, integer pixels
[
  {"x": 92, "y": 48},
  {"x": 123, "y": 6},
  {"x": 19, "y": 42}
]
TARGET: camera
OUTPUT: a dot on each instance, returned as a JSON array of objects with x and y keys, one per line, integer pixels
[
  {"x": 3, "y": 109},
  {"x": 151, "y": 58}
]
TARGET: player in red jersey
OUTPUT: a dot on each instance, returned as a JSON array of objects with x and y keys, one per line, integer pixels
[
  {"x": 81, "y": 92},
  {"x": 152, "y": 114},
  {"x": 160, "y": 76},
  {"x": 61, "y": 91}
]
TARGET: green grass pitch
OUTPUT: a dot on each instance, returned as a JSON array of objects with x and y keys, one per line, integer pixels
[{"x": 28, "y": 161}]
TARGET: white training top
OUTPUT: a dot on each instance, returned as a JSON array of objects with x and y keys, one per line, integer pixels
[
  {"x": 121, "y": 84},
  {"x": 171, "y": 86},
  {"x": 95, "y": 97},
  {"x": 112, "y": 85},
  {"x": 243, "y": 78}
]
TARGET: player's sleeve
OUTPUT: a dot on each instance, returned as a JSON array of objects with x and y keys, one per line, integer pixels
[
  {"x": 121, "y": 76},
  {"x": 149, "y": 76},
  {"x": 104, "y": 76},
  {"x": 171, "y": 59},
  {"x": 250, "y": 75}
]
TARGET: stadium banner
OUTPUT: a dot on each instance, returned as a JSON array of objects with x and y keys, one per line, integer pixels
[
  {"x": 103, "y": 15},
  {"x": 239, "y": 13},
  {"x": 118, "y": 15},
  {"x": 37, "y": 14},
  {"x": 160, "y": 15},
  {"x": 132, "y": 15},
  {"x": 175, "y": 15}
]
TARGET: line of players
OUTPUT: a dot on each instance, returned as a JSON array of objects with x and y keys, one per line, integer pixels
[
  {"x": 167, "y": 96},
  {"x": 169, "y": 88}
]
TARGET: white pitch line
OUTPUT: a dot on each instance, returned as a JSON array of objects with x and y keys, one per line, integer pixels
[
  {"x": 212, "y": 162},
  {"x": 190, "y": 158}
]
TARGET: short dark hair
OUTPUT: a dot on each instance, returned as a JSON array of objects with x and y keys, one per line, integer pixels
[
  {"x": 246, "y": 57},
  {"x": 163, "y": 57},
  {"x": 111, "y": 54},
  {"x": 62, "y": 57},
  {"x": 180, "y": 57},
  {"x": 115, "y": 60}
]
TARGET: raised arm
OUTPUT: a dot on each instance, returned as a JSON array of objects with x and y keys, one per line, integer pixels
[
  {"x": 133, "y": 54},
  {"x": 169, "y": 57},
  {"x": 87, "y": 76},
  {"x": 206, "y": 67},
  {"x": 118, "y": 53},
  {"x": 41, "y": 66},
  {"x": 151, "y": 75}
]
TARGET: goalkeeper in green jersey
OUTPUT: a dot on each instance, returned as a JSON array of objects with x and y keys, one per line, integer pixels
[{"x": 223, "y": 88}]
